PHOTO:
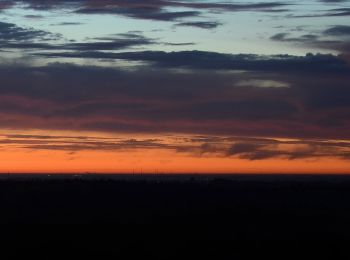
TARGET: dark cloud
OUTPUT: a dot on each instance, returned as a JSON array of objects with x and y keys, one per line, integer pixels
[
  {"x": 67, "y": 24},
  {"x": 149, "y": 14},
  {"x": 25, "y": 38},
  {"x": 286, "y": 38},
  {"x": 117, "y": 42},
  {"x": 339, "y": 39},
  {"x": 35, "y": 17},
  {"x": 29, "y": 39},
  {"x": 73, "y": 143},
  {"x": 149, "y": 9},
  {"x": 203, "y": 25},
  {"x": 14, "y": 37},
  {"x": 50, "y": 137},
  {"x": 234, "y": 147},
  {"x": 6, "y": 4},
  {"x": 291, "y": 150},
  {"x": 289, "y": 103},
  {"x": 179, "y": 44},
  {"x": 339, "y": 30},
  {"x": 220, "y": 61},
  {"x": 12, "y": 33},
  {"x": 243, "y": 148},
  {"x": 267, "y": 6},
  {"x": 337, "y": 12},
  {"x": 125, "y": 145}
]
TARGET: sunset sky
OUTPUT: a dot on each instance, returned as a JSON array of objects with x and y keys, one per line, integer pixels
[{"x": 175, "y": 86}]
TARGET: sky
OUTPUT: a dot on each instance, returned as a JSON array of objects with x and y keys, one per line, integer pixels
[{"x": 175, "y": 86}]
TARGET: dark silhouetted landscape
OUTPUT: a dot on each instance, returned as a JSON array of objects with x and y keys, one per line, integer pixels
[{"x": 172, "y": 217}]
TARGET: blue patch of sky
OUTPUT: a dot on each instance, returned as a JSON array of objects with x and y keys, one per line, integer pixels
[{"x": 240, "y": 32}]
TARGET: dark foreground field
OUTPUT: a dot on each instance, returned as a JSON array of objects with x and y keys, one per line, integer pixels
[{"x": 174, "y": 218}]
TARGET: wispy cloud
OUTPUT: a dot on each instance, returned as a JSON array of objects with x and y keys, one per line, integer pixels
[{"x": 206, "y": 146}]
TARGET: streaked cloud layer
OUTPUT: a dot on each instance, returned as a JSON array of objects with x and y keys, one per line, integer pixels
[{"x": 242, "y": 83}]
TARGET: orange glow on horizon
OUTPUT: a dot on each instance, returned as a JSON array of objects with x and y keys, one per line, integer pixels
[
  {"x": 16, "y": 159},
  {"x": 156, "y": 161}
]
